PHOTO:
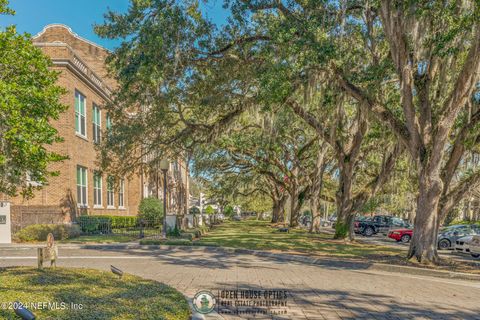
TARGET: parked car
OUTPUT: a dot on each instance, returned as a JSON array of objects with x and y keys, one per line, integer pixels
[
  {"x": 448, "y": 236},
  {"x": 357, "y": 221},
  {"x": 380, "y": 224},
  {"x": 475, "y": 246},
  {"x": 401, "y": 235},
  {"x": 462, "y": 245}
]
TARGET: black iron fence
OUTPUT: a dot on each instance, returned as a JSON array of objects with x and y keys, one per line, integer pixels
[{"x": 118, "y": 225}]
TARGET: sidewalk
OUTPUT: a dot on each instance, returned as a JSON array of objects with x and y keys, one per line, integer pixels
[{"x": 330, "y": 262}]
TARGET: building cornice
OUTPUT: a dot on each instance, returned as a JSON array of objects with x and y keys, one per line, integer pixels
[{"x": 78, "y": 67}]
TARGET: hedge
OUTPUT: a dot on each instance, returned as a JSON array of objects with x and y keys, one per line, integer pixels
[
  {"x": 39, "y": 232},
  {"x": 91, "y": 224},
  {"x": 464, "y": 222}
]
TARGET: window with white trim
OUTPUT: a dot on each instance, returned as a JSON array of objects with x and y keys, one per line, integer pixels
[
  {"x": 97, "y": 189},
  {"x": 110, "y": 192},
  {"x": 82, "y": 186},
  {"x": 121, "y": 191},
  {"x": 97, "y": 124},
  {"x": 80, "y": 114}
]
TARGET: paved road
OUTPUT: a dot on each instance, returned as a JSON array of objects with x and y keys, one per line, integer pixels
[
  {"x": 385, "y": 241},
  {"x": 329, "y": 291}
]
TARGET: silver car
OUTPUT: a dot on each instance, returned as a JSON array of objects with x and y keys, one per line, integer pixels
[
  {"x": 462, "y": 245},
  {"x": 475, "y": 246},
  {"x": 448, "y": 236}
]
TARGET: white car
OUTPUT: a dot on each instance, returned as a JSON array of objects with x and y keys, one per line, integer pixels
[
  {"x": 463, "y": 244},
  {"x": 475, "y": 246}
]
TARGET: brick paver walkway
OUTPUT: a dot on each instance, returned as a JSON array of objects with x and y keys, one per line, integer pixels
[{"x": 314, "y": 292}]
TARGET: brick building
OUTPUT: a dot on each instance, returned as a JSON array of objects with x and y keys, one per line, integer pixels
[{"x": 80, "y": 188}]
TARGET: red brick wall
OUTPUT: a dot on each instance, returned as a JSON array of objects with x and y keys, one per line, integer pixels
[
  {"x": 60, "y": 193},
  {"x": 22, "y": 216}
]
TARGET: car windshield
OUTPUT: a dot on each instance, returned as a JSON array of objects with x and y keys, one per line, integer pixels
[
  {"x": 453, "y": 228},
  {"x": 361, "y": 218},
  {"x": 398, "y": 222}
]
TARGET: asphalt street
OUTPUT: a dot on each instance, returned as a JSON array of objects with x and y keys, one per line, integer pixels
[{"x": 326, "y": 291}]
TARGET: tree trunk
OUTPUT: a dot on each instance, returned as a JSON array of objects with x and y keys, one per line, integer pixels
[
  {"x": 278, "y": 210},
  {"x": 423, "y": 247},
  {"x": 467, "y": 212},
  {"x": 344, "y": 224},
  {"x": 294, "y": 206},
  {"x": 316, "y": 189},
  {"x": 294, "y": 213},
  {"x": 345, "y": 218},
  {"x": 315, "y": 225}
]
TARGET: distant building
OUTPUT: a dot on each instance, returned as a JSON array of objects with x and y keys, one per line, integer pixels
[{"x": 81, "y": 188}]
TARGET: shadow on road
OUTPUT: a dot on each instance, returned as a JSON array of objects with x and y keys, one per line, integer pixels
[
  {"x": 214, "y": 258},
  {"x": 349, "y": 305}
]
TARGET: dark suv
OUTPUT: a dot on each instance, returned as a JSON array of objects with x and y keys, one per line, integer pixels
[{"x": 380, "y": 224}]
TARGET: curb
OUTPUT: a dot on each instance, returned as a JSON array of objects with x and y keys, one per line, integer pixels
[{"x": 327, "y": 261}]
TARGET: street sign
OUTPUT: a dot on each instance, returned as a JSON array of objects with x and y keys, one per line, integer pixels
[{"x": 5, "y": 223}]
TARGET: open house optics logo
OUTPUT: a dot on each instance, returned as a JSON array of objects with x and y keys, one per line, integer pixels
[
  {"x": 204, "y": 302},
  {"x": 242, "y": 302}
]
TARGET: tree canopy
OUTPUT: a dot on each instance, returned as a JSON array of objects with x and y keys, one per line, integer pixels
[
  {"x": 29, "y": 101},
  {"x": 375, "y": 86}
]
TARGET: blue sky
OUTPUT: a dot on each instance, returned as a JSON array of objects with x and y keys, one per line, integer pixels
[{"x": 80, "y": 15}]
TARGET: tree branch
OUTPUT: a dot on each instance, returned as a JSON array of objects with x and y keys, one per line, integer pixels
[
  {"x": 380, "y": 112},
  {"x": 458, "y": 193},
  {"x": 458, "y": 150}
]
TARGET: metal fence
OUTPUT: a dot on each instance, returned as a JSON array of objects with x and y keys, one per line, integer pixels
[{"x": 121, "y": 226}]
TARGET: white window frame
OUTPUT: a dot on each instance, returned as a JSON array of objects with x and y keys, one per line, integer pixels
[
  {"x": 97, "y": 127},
  {"x": 97, "y": 191},
  {"x": 82, "y": 203},
  {"x": 110, "y": 192},
  {"x": 79, "y": 116},
  {"x": 121, "y": 194}
]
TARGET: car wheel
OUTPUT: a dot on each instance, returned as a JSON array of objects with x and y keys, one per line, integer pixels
[
  {"x": 368, "y": 232},
  {"x": 475, "y": 255},
  {"x": 405, "y": 238},
  {"x": 444, "y": 244}
]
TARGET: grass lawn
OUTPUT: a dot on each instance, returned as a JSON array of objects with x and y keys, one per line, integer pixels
[
  {"x": 102, "y": 295},
  {"x": 259, "y": 235},
  {"x": 110, "y": 238},
  {"x": 101, "y": 238}
]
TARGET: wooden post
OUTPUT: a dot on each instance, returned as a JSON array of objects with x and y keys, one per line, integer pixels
[
  {"x": 50, "y": 252},
  {"x": 40, "y": 257}
]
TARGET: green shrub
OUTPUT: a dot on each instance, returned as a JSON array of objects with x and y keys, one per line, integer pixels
[
  {"x": 188, "y": 235},
  {"x": 229, "y": 211},
  {"x": 307, "y": 213},
  {"x": 464, "y": 222},
  {"x": 105, "y": 224},
  {"x": 150, "y": 209},
  {"x": 172, "y": 242},
  {"x": 209, "y": 210},
  {"x": 173, "y": 232},
  {"x": 178, "y": 242},
  {"x": 118, "y": 222},
  {"x": 39, "y": 232}
]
